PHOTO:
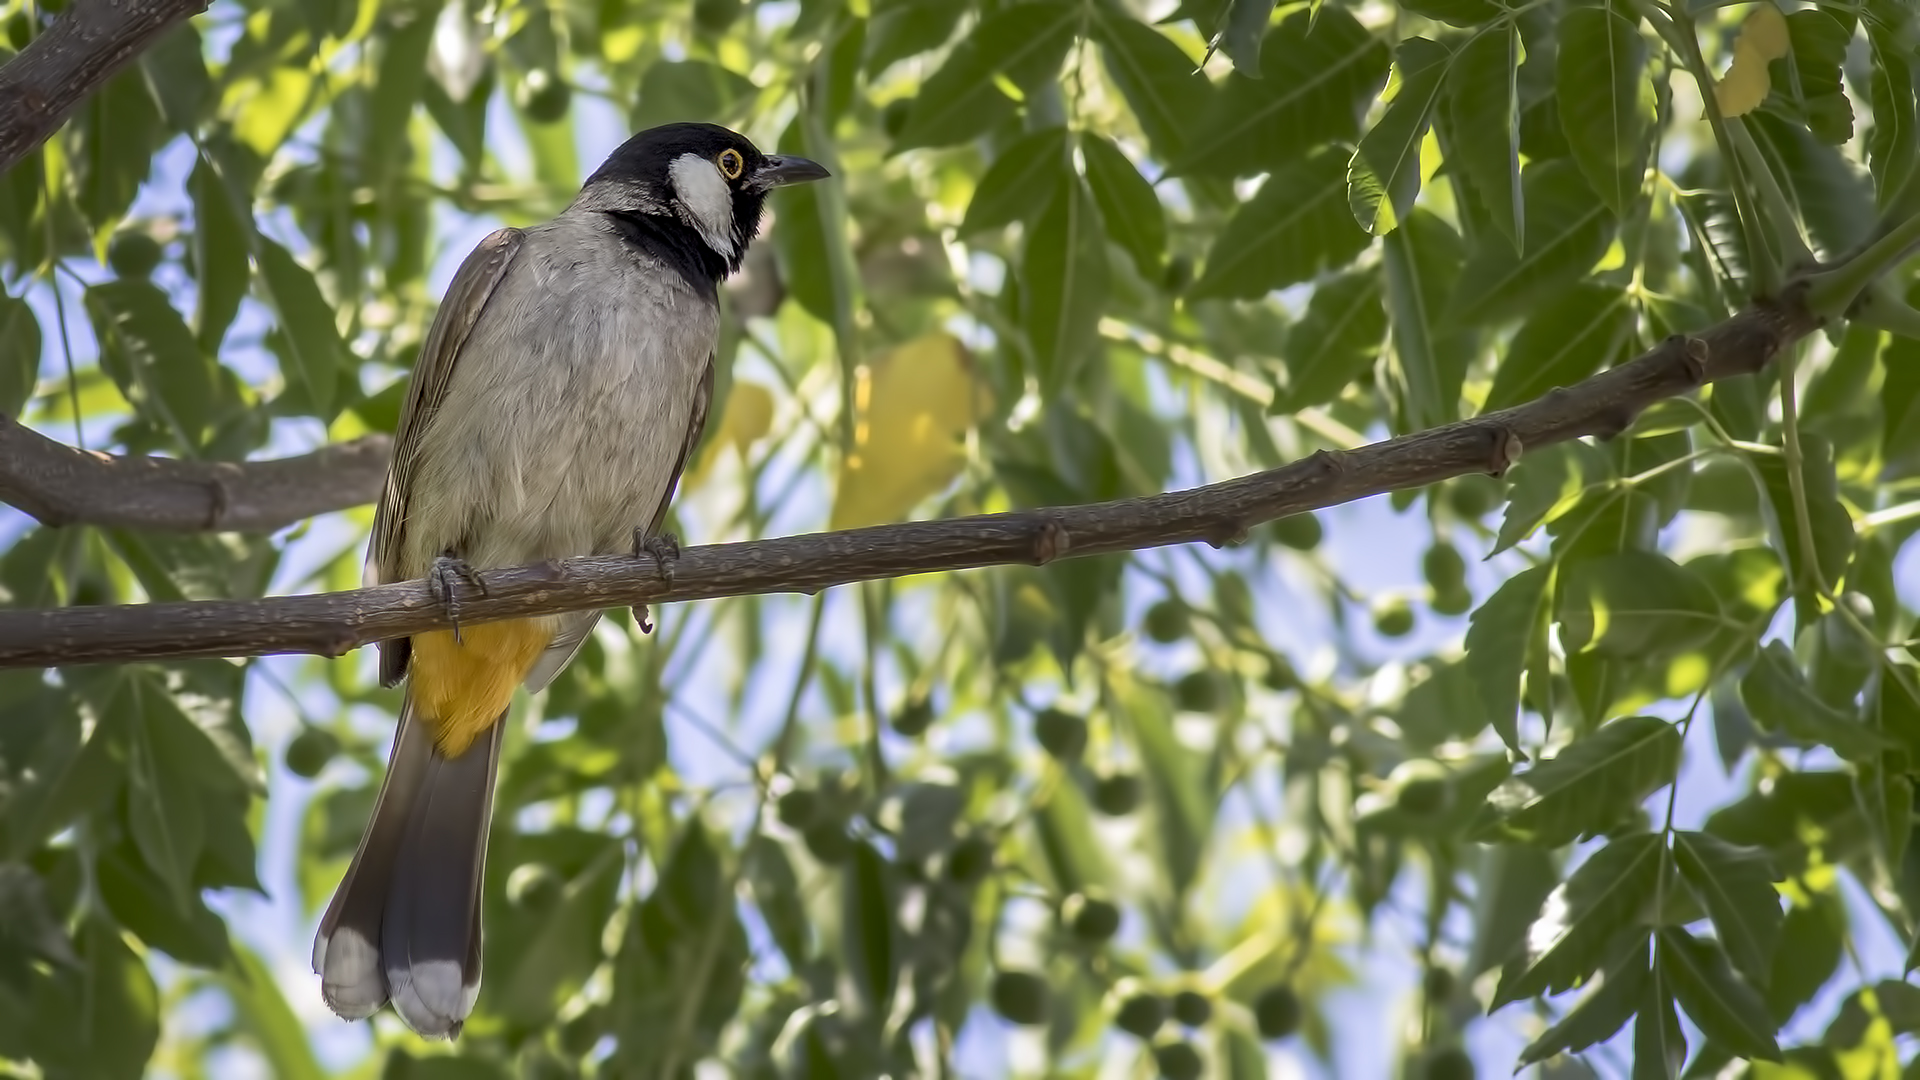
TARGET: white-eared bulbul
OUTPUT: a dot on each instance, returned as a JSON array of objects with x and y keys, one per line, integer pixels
[{"x": 558, "y": 395}]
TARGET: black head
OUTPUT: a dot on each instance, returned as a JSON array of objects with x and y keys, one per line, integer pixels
[{"x": 694, "y": 192}]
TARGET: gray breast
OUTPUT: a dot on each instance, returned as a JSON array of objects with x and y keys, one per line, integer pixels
[{"x": 568, "y": 406}]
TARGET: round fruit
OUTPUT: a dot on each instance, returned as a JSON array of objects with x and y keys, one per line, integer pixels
[
  {"x": 19, "y": 30},
  {"x": 1178, "y": 1060},
  {"x": 1280, "y": 674},
  {"x": 1192, "y": 1008},
  {"x": 1277, "y": 1012},
  {"x": 1472, "y": 497},
  {"x": 310, "y": 751},
  {"x": 970, "y": 860},
  {"x": 1198, "y": 691},
  {"x": 1167, "y": 621},
  {"x": 1454, "y": 601},
  {"x": 798, "y": 808},
  {"x": 1452, "y": 1063},
  {"x": 1090, "y": 918},
  {"x": 1020, "y": 996},
  {"x": 828, "y": 841},
  {"x": 534, "y": 887},
  {"x": 1302, "y": 532},
  {"x": 1141, "y": 1014},
  {"x": 1420, "y": 796},
  {"x": 893, "y": 118},
  {"x": 544, "y": 96},
  {"x": 1179, "y": 273},
  {"x": 1439, "y": 983},
  {"x": 133, "y": 254},
  {"x": 1445, "y": 567},
  {"x": 914, "y": 717},
  {"x": 1116, "y": 794},
  {"x": 1393, "y": 618},
  {"x": 1061, "y": 734}
]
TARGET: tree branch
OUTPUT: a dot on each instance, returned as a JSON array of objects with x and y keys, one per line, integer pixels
[
  {"x": 60, "y": 485},
  {"x": 334, "y": 623},
  {"x": 84, "y": 47}
]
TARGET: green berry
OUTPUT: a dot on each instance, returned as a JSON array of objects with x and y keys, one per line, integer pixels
[
  {"x": 1061, "y": 734},
  {"x": 1192, "y": 1008},
  {"x": 798, "y": 809},
  {"x": 1302, "y": 532},
  {"x": 133, "y": 254},
  {"x": 1167, "y": 621},
  {"x": 1393, "y": 618},
  {"x": 534, "y": 887},
  {"x": 310, "y": 751},
  {"x": 1179, "y": 274},
  {"x": 544, "y": 96},
  {"x": 1277, "y": 1012},
  {"x": 1020, "y": 996},
  {"x": 1178, "y": 1061},
  {"x": 1116, "y": 794},
  {"x": 1280, "y": 674},
  {"x": 1472, "y": 497},
  {"x": 1454, "y": 601},
  {"x": 1439, "y": 984},
  {"x": 915, "y": 717},
  {"x": 970, "y": 860},
  {"x": 1422, "y": 787},
  {"x": 1198, "y": 691},
  {"x": 1445, "y": 567},
  {"x": 1452, "y": 1063},
  {"x": 829, "y": 842},
  {"x": 1141, "y": 1015},
  {"x": 893, "y": 118},
  {"x": 1090, "y": 918}
]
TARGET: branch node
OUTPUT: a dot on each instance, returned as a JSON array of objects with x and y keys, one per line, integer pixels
[
  {"x": 1505, "y": 451},
  {"x": 1694, "y": 353},
  {"x": 1330, "y": 462},
  {"x": 1051, "y": 542},
  {"x": 1227, "y": 534},
  {"x": 219, "y": 502}
]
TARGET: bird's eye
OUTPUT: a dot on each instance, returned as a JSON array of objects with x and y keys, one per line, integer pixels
[{"x": 731, "y": 164}]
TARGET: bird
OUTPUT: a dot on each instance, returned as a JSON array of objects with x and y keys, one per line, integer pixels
[{"x": 561, "y": 388}]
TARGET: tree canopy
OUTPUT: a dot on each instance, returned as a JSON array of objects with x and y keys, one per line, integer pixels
[{"x": 1588, "y": 743}]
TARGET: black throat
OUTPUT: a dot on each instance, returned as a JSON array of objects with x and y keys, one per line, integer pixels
[{"x": 675, "y": 243}]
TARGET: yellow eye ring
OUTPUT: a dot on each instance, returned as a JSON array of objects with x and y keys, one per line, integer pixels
[{"x": 731, "y": 164}]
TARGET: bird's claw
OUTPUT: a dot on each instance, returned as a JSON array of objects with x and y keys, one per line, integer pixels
[
  {"x": 664, "y": 547},
  {"x": 440, "y": 582}
]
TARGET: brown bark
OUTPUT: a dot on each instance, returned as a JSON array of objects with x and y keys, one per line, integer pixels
[{"x": 334, "y": 623}]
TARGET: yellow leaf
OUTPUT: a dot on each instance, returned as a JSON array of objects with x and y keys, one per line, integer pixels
[
  {"x": 745, "y": 421},
  {"x": 1762, "y": 40},
  {"x": 911, "y": 408}
]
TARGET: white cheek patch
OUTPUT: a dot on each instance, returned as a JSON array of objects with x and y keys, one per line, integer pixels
[{"x": 703, "y": 198}]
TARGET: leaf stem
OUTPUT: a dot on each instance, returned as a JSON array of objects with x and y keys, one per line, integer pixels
[
  {"x": 1781, "y": 219},
  {"x": 1833, "y": 292},
  {"x": 1796, "y": 482}
]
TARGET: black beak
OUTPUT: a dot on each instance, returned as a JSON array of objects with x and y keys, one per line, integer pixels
[{"x": 780, "y": 170}]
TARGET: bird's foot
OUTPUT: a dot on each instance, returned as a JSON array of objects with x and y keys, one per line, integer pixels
[
  {"x": 440, "y": 582},
  {"x": 665, "y": 549}
]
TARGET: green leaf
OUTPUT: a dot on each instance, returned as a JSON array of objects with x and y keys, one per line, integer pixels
[
  {"x": 71, "y": 769},
  {"x": 677, "y": 90},
  {"x": 19, "y": 355},
  {"x": 1776, "y": 692},
  {"x": 1336, "y": 342},
  {"x": 1384, "y": 176},
  {"x": 142, "y": 903},
  {"x": 1289, "y": 231},
  {"x": 1727, "y": 1009},
  {"x": 1659, "y": 1046},
  {"x": 1128, "y": 207},
  {"x": 1546, "y": 484},
  {"x": 219, "y": 256},
  {"x": 1610, "y": 892},
  {"x": 1164, "y": 87},
  {"x": 1500, "y": 633},
  {"x": 395, "y": 92},
  {"x": 1736, "y": 886},
  {"x": 869, "y": 893},
  {"x": 1606, "y": 101},
  {"x": 307, "y": 319},
  {"x": 103, "y": 1020},
  {"x": 1430, "y": 359},
  {"x": 1567, "y": 231},
  {"x": 1317, "y": 77},
  {"x": 1810, "y": 946},
  {"x": 1833, "y": 195},
  {"x": 812, "y": 242},
  {"x": 151, "y": 355},
  {"x": 1634, "y": 605},
  {"x": 1808, "y": 78},
  {"x": 564, "y": 947},
  {"x": 1037, "y": 162},
  {"x": 1064, "y": 827},
  {"x": 1893, "y": 143},
  {"x": 1483, "y": 123},
  {"x": 1183, "y": 815},
  {"x": 1064, "y": 282},
  {"x": 1513, "y": 882},
  {"x": 117, "y": 132},
  {"x": 902, "y": 28},
  {"x": 1574, "y": 335},
  {"x": 1589, "y": 787},
  {"x": 1792, "y": 811},
  {"x": 1024, "y": 43},
  {"x": 175, "y": 67},
  {"x": 688, "y": 929},
  {"x": 261, "y": 1011},
  {"x": 776, "y": 893},
  {"x": 1456, "y": 12},
  {"x": 1245, "y": 32},
  {"x": 163, "y": 800},
  {"x": 1602, "y": 1011}
]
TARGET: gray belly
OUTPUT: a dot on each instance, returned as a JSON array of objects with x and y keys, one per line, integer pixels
[{"x": 564, "y": 419}]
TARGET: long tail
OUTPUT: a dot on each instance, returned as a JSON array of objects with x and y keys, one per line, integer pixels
[{"x": 405, "y": 923}]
